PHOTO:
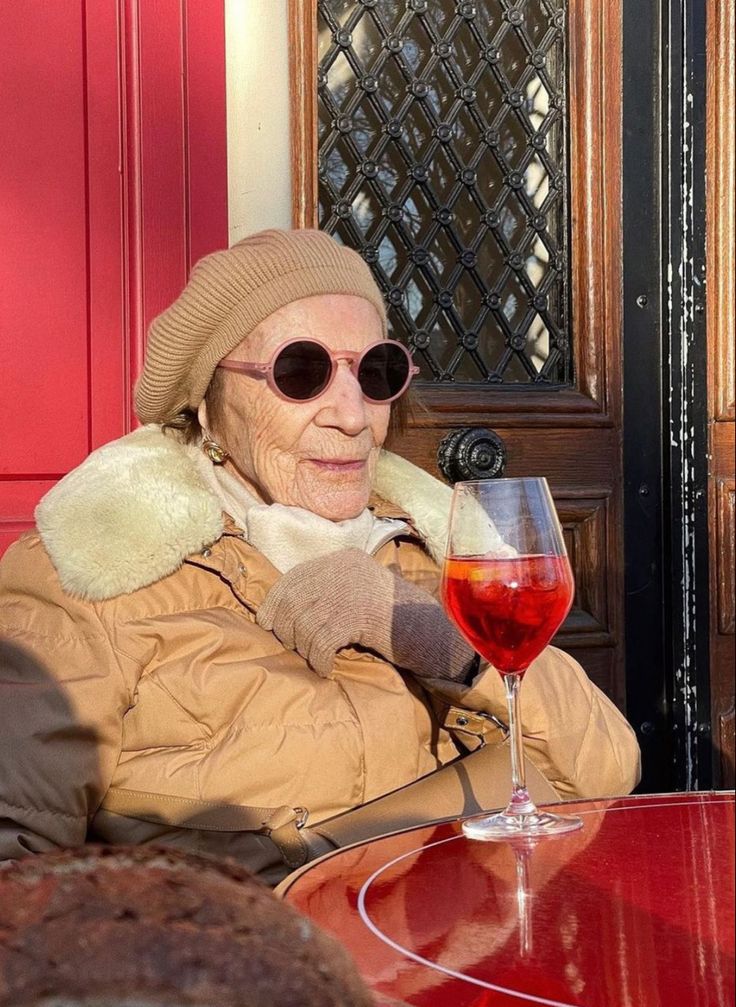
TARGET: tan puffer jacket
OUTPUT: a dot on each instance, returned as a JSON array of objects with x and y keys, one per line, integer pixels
[{"x": 132, "y": 661}]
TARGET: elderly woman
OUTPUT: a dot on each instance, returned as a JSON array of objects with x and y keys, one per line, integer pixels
[{"x": 234, "y": 607}]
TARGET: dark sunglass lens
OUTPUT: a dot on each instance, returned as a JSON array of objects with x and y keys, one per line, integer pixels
[
  {"x": 302, "y": 370},
  {"x": 383, "y": 372}
]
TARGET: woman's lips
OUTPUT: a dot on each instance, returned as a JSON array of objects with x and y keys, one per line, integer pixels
[{"x": 339, "y": 464}]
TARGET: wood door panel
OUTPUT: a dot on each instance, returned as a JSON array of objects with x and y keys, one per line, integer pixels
[
  {"x": 725, "y": 530},
  {"x": 206, "y": 160},
  {"x": 725, "y": 356},
  {"x": 720, "y": 208},
  {"x": 722, "y": 447},
  {"x": 163, "y": 198},
  {"x": 571, "y": 434},
  {"x": 576, "y": 463},
  {"x": 43, "y": 318},
  {"x": 18, "y": 501},
  {"x": 725, "y": 732},
  {"x": 113, "y": 179},
  {"x": 723, "y": 623},
  {"x": 594, "y": 627},
  {"x": 720, "y": 241},
  {"x": 585, "y": 527},
  {"x": 526, "y": 407},
  {"x": 576, "y": 457},
  {"x": 108, "y": 329}
]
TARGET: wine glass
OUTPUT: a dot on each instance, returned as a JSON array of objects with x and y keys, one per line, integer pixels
[{"x": 507, "y": 585}]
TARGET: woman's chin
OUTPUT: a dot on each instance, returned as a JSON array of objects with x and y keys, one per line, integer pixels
[
  {"x": 337, "y": 503},
  {"x": 340, "y": 510}
]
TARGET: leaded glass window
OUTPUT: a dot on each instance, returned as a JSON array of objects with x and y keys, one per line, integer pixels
[{"x": 442, "y": 159}]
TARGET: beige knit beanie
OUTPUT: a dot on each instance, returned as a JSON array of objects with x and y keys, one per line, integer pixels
[{"x": 228, "y": 294}]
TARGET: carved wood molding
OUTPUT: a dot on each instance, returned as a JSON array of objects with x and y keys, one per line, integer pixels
[
  {"x": 303, "y": 62},
  {"x": 726, "y": 733},
  {"x": 585, "y": 524},
  {"x": 720, "y": 223},
  {"x": 594, "y": 87},
  {"x": 595, "y": 98},
  {"x": 174, "y": 206},
  {"x": 725, "y": 554},
  {"x": 721, "y": 205},
  {"x": 454, "y": 406}
]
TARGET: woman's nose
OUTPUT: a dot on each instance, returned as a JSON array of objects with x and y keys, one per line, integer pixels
[{"x": 343, "y": 404}]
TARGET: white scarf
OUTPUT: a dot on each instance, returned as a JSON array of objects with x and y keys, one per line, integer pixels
[{"x": 287, "y": 535}]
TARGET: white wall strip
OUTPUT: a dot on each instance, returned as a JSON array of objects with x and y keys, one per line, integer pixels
[{"x": 258, "y": 139}]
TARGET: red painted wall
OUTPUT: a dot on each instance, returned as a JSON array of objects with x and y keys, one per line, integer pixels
[{"x": 112, "y": 183}]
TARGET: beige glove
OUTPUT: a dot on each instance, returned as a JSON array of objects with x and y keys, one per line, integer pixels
[{"x": 348, "y": 598}]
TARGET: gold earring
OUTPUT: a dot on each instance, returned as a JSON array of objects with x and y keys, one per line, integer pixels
[{"x": 216, "y": 454}]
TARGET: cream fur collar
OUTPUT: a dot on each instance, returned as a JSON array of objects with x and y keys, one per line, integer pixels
[{"x": 133, "y": 511}]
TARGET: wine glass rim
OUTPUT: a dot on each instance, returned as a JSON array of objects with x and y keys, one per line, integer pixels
[{"x": 506, "y": 479}]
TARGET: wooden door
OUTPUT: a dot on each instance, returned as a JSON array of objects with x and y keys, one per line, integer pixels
[
  {"x": 459, "y": 85},
  {"x": 112, "y": 183},
  {"x": 721, "y": 242}
]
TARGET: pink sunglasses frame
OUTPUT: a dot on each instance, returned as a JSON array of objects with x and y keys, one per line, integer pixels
[{"x": 355, "y": 359}]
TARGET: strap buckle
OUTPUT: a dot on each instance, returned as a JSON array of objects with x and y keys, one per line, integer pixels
[{"x": 494, "y": 720}]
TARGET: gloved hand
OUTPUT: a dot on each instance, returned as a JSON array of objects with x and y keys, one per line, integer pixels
[{"x": 348, "y": 598}]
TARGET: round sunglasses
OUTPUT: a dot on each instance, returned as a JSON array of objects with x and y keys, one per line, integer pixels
[{"x": 303, "y": 369}]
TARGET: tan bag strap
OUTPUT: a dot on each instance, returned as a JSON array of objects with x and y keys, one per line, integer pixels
[
  {"x": 480, "y": 781},
  {"x": 281, "y": 824}
]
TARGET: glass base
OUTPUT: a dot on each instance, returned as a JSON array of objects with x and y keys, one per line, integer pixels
[{"x": 503, "y": 826}]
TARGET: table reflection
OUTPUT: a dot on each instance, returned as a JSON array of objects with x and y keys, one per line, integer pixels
[{"x": 634, "y": 909}]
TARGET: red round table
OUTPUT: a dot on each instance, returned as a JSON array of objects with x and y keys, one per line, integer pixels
[{"x": 634, "y": 910}]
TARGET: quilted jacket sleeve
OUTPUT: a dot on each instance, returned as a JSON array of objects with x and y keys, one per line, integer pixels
[
  {"x": 63, "y": 695},
  {"x": 572, "y": 732}
]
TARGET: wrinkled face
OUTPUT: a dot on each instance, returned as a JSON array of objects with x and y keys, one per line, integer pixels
[{"x": 319, "y": 455}]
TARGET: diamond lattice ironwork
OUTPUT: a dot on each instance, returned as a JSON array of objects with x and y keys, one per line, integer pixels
[{"x": 442, "y": 159}]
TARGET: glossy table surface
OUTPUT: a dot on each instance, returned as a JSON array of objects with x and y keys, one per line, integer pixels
[{"x": 634, "y": 910}]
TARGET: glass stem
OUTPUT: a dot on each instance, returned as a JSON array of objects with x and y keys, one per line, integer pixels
[{"x": 521, "y": 803}]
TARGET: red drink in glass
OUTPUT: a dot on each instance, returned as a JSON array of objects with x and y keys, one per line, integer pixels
[
  {"x": 508, "y": 609},
  {"x": 507, "y": 585}
]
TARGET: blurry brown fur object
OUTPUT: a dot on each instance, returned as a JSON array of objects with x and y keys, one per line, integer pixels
[{"x": 153, "y": 927}]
